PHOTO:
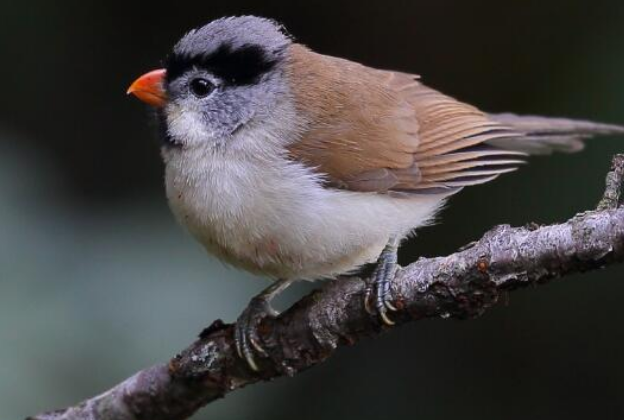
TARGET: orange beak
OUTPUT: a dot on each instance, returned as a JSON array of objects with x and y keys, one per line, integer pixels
[{"x": 150, "y": 88}]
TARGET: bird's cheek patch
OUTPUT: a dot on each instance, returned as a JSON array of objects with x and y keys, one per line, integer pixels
[{"x": 186, "y": 126}]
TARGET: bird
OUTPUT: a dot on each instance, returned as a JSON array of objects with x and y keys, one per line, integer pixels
[{"x": 295, "y": 165}]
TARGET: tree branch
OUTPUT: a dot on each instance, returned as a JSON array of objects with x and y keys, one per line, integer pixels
[{"x": 462, "y": 285}]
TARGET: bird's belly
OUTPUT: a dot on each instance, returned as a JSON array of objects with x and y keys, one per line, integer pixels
[{"x": 285, "y": 224}]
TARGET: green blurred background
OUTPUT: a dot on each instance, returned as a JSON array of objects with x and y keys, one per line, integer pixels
[{"x": 97, "y": 281}]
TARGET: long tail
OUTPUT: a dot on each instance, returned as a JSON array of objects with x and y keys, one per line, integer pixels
[{"x": 543, "y": 135}]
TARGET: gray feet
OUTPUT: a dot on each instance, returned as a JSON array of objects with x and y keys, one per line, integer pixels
[
  {"x": 378, "y": 300},
  {"x": 246, "y": 335},
  {"x": 379, "y": 287},
  {"x": 246, "y": 330}
]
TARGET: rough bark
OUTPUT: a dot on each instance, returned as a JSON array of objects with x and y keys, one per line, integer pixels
[{"x": 462, "y": 285}]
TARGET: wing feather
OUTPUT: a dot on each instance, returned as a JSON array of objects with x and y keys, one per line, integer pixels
[{"x": 380, "y": 131}]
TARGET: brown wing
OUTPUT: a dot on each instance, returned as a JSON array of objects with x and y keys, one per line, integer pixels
[{"x": 381, "y": 131}]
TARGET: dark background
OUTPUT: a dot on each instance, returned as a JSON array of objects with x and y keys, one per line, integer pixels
[{"x": 97, "y": 281}]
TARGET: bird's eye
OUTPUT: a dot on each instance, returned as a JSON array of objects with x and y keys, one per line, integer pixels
[{"x": 201, "y": 87}]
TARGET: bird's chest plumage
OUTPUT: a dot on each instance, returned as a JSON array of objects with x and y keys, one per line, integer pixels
[
  {"x": 229, "y": 205},
  {"x": 260, "y": 214},
  {"x": 271, "y": 216}
]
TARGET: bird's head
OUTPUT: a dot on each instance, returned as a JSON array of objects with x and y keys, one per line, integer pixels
[{"x": 218, "y": 79}]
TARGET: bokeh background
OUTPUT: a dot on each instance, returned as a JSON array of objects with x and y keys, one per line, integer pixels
[{"x": 97, "y": 281}]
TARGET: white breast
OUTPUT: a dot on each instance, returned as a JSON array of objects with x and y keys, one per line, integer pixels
[
  {"x": 273, "y": 217},
  {"x": 253, "y": 208}
]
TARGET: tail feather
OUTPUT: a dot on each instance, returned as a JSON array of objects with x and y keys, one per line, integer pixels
[{"x": 543, "y": 135}]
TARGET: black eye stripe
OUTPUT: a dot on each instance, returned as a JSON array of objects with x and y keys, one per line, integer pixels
[{"x": 242, "y": 66}]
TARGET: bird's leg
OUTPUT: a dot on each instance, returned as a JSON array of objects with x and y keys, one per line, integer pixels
[
  {"x": 379, "y": 285},
  {"x": 246, "y": 331}
]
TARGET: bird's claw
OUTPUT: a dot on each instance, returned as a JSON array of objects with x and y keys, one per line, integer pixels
[
  {"x": 378, "y": 289},
  {"x": 246, "y": 335}
]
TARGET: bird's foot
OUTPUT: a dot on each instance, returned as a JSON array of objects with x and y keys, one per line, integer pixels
[
  {"x": 378, "y": 288},
  {"x": 246, "y": 336}
]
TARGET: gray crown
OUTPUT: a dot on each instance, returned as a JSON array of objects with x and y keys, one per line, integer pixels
[{"x": 234, "y": 32}]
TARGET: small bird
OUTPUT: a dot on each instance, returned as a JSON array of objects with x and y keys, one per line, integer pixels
[{"x": 300, "y": 166}]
